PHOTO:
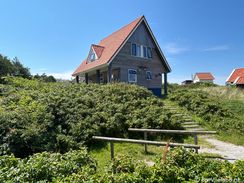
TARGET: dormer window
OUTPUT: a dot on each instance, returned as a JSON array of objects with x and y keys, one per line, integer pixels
[{"x": 92, "y": 56}]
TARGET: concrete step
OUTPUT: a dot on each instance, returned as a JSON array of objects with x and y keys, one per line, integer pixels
[
  {"x": 190, "y": 126},
  {"x": 189, "y": 123},
  {"x": 196, "y": 129}
]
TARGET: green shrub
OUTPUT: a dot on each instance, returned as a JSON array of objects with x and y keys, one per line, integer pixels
[
  {"x": 45, "y": 166},
  {"x": 37, "y": 116},
  {"x": 211, "y": 109},
  {"x": 77, "y": 166}
]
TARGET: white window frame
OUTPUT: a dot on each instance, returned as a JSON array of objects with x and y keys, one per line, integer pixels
[
  {"x": 135, "y": 81},
  {"x": 140, "y": 52},
  {"x": 150, "y": 75}
]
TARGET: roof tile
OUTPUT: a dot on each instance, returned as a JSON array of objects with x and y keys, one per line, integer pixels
[
  {"x": 110, "y": 45},
  {"x": 235, "y": 74},
  {"x": 205, "y": 76}
]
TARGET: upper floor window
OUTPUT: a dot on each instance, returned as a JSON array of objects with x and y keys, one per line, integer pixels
[
  {"x": 92, "y": 56},
  {"x": 133, "y": 52},
  {"x": 141, "y": 51},
  {"x": 149, "y": 52}
]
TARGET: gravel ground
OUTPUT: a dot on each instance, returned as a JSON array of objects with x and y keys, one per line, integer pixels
[{"x": 228, "y": 151}]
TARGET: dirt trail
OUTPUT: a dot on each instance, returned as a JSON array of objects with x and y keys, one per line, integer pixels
[{"x": 228, "y": 151}]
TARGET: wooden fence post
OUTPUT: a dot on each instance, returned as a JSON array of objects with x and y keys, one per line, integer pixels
[
  {"x": 196, "y": 142},
  {"x": 112, "y": 150},
  {"x": 145, "y": 138}
]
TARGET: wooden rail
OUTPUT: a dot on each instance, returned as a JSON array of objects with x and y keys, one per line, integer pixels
[
  {"x": 122, "y": 140},
  {"x": 182, "y": 132}
]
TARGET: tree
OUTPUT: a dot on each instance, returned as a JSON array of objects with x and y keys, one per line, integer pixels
[
  {"x": 6, "y": 67},
  {"x": 20, "y": 70},
  {"x": 45, "y": 78}
]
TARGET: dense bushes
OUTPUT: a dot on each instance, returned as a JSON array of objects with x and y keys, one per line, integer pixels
[
  {"x": 37, "y": 116},
  {"x": 77, "y": 166},
  {"x": 209, "y": 108},
  {"x": 45, "y": 166}
]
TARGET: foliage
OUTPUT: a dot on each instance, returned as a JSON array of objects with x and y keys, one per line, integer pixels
[
  {"x": 77, "y": 166},
  {"x": 13, "y": 68},
  {"x": 45, "y": 78},
  {"x": 45, "y": 167},
  {"x": 211, "y": 109},
  {"x": 37, "y": 116}
]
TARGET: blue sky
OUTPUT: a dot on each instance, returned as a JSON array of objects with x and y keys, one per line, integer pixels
[{"x": 55, "y": 36}]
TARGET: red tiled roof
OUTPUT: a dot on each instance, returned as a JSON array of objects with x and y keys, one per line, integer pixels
[
  {"x": 205, "y": 76},
  {"x": 98, "y": 50},
  {"x": 239, "y": 80},
  {"x": 235, "y": 74},
  {"x": 110, "y": 45}
]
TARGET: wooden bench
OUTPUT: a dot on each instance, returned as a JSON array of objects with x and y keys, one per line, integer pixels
[
  {"x": 112, "y": 140},
  {"x": 182, "y": 132}
]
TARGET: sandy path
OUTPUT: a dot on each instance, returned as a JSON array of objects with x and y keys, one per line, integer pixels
[{"x": 226, "y": 150}]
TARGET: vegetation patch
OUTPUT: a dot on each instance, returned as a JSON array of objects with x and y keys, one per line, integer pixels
[
  {"x": 36, "y": 116},
  {"x": 77, "y": 166},
  {"x": 215, "y": 112}
]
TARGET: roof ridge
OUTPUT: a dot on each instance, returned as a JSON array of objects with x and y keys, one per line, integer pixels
[
  {"x": 97, "y": 45},
  {"x": 139, "y": 18}
]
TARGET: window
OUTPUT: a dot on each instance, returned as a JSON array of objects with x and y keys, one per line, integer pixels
[
  {"x": 144, "y": 51},
  {"x": 149, "y": 75},
  {"x": 149, "y": 52},
  {"x": 138, "y": 50},
  {"x": 141, "y": 51},
  {"x": 133, "y": 51},
  {"x": 132, "y": 76},
  {"x": 92, "y": 56}
]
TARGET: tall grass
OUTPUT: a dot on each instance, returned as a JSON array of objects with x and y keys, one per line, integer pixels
[{"x": 226, "y": 92}]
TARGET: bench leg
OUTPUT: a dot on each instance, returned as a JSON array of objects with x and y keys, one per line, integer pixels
[
  {"x": 145, "y": 138},
  {"x": 112, "y": 150},
  {"x": 196, "y": 142}
]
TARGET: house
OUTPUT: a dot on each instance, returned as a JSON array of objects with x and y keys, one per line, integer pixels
[
  {"x": 236, "y": 78},
  {"x": 186, "y": 82},
  {"x": 204, "y": 77},
  {"x": 131, "y": 54}
]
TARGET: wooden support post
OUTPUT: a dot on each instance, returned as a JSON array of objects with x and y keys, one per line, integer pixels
[
  {"x": 86, "y": 78},
  {"x": 112, "y": 150},
  {"x": 165, "y": 84},
  {"x": 196, "y": 142},
  {"x": 98, "y": 76},
  {"x": 145, "y": 138},
  {"x": 109, "y": 74},
  {"x": 77, "y": 79}
]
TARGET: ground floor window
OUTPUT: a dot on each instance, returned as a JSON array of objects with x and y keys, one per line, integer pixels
[
  {"x": 149, "y": 75},
  {"x": 132, "y": 75}
]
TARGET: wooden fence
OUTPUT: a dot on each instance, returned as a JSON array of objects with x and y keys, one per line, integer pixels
[
  {"x": 145, "y": 142},
  {"x": 182, "y": 132}
]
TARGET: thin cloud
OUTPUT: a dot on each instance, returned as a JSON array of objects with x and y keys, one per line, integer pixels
[
  {"x": 217, "y": 48},
  {"x": 61, "y": 75},
  {"x": 43, "y": 69},
  {"x": 58, "y": 75},
  {"x": 173, "y": 48}
]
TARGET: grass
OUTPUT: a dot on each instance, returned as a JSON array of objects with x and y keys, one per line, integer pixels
[
  {"x": 233, "y": 138},
  {"x": 231, "y": 93},
  {"x": 201, "y": 141},
  {"x": 232, "y": 99},
  {"x": 102, "y": 154}
]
